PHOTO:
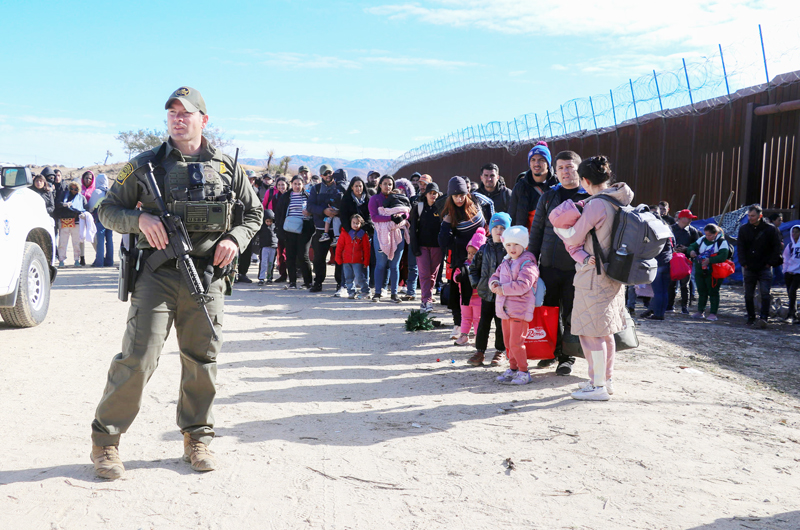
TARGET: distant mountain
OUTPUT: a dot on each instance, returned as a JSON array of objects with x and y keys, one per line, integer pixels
[{"x": 353, "y": 167}]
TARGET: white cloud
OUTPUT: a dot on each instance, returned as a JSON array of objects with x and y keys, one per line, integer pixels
[
  {"x": 301, "y": 60},
  {"x": 700, "y": 22},
  {"x": 417, "y": 61},
  {"x": 354, "y": 131}
]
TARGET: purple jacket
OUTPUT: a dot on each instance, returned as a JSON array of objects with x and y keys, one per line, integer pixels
[
  {"x": 517, "y": 278},
  {"x": 375, "y": 202}
]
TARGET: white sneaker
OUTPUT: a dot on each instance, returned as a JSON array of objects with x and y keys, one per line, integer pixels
[
  {"x": 352, "y": 296},
  {"x": 507, "y": 376},
  {"x": 430, "y": 306},
  {"x": 456, "y": 333},
  {"x": 609, "y": 386},
  {"x": 591, "y": 393},
  {"x": 423, "y": 308},
  {"x": 522, "y": 378}
]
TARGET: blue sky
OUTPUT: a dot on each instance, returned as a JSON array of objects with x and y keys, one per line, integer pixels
[{"x": 348, "y": 79}]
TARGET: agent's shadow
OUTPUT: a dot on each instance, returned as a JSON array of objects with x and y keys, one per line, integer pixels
[{"x": 85, "y": 472}]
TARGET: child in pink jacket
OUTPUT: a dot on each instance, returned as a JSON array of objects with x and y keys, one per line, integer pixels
[
  {"x": 471, "y": 311},
  {"x": 513, "y": 284}
]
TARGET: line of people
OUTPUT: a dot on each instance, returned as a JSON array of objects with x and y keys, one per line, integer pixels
[{"x": 73, "y": 206}]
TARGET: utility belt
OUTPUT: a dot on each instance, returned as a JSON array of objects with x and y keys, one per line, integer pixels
[{"x": 133, "y": 262}]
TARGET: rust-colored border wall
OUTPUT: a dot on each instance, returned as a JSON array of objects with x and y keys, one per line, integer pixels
[{"x": 673, "y": 158}]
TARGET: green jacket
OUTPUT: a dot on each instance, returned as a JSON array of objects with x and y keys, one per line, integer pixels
[
  {"x": 720, "y": 251},
  {"x": 118, "y": 211}
]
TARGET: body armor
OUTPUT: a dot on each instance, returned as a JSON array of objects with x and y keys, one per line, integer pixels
[{"x": 200, "y": 194}]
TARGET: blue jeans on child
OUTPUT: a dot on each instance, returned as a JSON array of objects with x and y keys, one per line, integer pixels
[
  {"x": 384, "y": 265},
  {"x": 355, "y": 277},
  {"x": 268, "y": 255}
]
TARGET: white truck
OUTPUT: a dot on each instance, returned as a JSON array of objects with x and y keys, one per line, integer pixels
[{"x": 27, "y": 250}]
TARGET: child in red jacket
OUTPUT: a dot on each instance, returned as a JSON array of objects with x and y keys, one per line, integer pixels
[{"x": 352, "y": 253}]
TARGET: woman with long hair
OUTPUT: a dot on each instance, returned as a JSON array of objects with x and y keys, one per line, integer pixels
[
  {"x": 389, "y": 241},
  {"x": 599, "y": 308},
  {"x": 295, "y": 226},
  {"x": 463, "y": 213}
]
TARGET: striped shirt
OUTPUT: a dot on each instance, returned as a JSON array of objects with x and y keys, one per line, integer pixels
[{"x": 297, "y": 203}]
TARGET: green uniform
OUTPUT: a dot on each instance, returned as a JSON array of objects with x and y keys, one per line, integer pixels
[{"x": 160, "y": 299}]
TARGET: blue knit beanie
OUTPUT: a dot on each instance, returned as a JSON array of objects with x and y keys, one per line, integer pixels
[
  {"x": 500, "y": 219},
  {"x": 540, "y": 149}
]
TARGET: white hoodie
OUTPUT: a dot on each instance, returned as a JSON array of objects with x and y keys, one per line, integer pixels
[{"x": 791, "y": 254}]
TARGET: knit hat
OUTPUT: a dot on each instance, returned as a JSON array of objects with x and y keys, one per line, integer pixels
[
  {"x": 478, "y": 239},
  {"x": 457, "y": 186},
  {"x": 500, "y": 219},
  {"x": 269, "y": 214},
  {"x": 516, "y": 234},
  {"x": 540, "y": 149}
]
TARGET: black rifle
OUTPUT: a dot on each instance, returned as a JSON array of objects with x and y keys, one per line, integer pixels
[{"x": 178, "y": 246}]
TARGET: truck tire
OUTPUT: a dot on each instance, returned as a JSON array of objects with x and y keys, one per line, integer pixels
[{"x": 33, "y": 296}]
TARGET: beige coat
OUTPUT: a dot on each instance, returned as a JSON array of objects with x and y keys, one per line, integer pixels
[{"x": 599, "y": 307}]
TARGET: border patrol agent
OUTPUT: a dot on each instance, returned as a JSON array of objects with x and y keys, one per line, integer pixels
[{"x": 187, "y": 168}]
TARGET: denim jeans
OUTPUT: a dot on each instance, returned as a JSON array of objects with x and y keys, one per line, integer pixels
[
  {"x": 105, "y": 246},
  {"x": 355, "y": 277},
  {"x": 658, "y": 305},
  {"x": 763, "y": 278},
  {"x": 411, "y": 281},
  {"x": 384, "y": 265}
]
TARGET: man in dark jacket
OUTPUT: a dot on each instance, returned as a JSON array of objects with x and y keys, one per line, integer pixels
[
  {"x": 320, "y": 201},
  {"x": 531, "y": 185},
  {"x": 685, "y": 234},
  {"x": 556, "y": 266},
  {"x": 759, "y": 251},
  {"x": 492, "y": 186}
]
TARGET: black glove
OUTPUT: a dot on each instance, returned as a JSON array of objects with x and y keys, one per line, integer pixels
[{"x": 398, "y": 218}]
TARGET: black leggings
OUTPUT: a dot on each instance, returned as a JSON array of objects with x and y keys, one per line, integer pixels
[
  {"x": 297, "y": 246},
  {"x": 485, "y": 324}
]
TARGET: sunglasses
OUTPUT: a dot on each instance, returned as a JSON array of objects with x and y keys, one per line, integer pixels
[{"x": 327, "y": 173}]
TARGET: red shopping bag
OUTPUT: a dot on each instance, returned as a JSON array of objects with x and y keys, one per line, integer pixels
[
  {"x": 680, "y": 267},
  {"x": 540, "y": 342}
]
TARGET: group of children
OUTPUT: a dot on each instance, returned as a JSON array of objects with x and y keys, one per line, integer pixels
[{"x": 352, "y": 253}]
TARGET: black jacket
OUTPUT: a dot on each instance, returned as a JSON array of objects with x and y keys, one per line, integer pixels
[
  {"x": 349, "y": 208},
  {"x": 61, "y": 212},
  {"x": 759, "y": 246},
  {"x": 424, "y": 228},
  {"x": 281, "y": 207},
  {"x": 526, "y": 195},
  {"x": 543, "y": 242},
  {"x": 500, "y": 195},
  {"x": 685, "y": 237},
  {"x": 484, "y": 265},
  {"x": 267, "y": 237}
]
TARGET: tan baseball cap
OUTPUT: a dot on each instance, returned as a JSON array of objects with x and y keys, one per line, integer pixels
[
  {"x": 325, "y": 167},
  {"x": 190, "y": 98}
]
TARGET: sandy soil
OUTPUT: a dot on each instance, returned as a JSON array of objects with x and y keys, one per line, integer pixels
[{"x": 331, "y": 416}]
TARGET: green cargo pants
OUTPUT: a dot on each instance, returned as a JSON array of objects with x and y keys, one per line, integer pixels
[{"x": 160, "y": 299}]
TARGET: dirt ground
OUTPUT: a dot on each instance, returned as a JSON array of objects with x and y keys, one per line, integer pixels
[{"x": 331, "y": 416}]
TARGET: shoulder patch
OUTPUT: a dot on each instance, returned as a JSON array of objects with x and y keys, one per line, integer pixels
[{"x": 124, "y": 173}]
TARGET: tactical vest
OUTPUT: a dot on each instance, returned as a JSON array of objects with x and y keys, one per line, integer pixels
[{"x": 205, "y": 206}]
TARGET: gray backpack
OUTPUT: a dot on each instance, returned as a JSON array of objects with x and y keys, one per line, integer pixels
[{"x": 637, "y": 237}]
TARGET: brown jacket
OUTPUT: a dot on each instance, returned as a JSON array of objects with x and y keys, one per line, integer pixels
[{"x": 599, "y": 307}]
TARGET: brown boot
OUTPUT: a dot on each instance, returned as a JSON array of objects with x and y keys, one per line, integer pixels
[
  {"x": 107, "y": 463},
  {"x": 198, "y": 454},
  {"x": 476, "y": 360},
  {"x": 498, "y": 358}
]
